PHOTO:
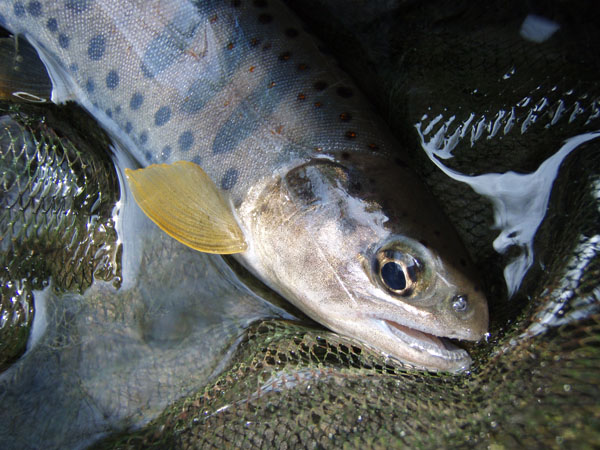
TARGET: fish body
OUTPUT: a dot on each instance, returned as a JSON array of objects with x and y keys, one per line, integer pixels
[{"x": 321, "y": 208}]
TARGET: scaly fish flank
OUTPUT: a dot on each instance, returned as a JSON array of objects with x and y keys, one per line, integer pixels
[{"x": 252, "y": 142}]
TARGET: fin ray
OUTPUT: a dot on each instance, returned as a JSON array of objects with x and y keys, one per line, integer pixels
[{"x": 185, "y": 203}]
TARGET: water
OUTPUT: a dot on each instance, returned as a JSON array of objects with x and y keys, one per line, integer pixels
[
  {"x": 520, "y": 201},
  {"x": 113, "y": 355}
]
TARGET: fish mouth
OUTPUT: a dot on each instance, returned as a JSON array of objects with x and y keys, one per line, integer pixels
[{"x": 432, "y": 347}]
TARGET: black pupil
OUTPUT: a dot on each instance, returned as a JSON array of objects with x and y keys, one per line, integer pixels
[{"x": 393, "y": 276}]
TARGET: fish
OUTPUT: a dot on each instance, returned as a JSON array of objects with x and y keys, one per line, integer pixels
[{"x": 250, "y": 141}]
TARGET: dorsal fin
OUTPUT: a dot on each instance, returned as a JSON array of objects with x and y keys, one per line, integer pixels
[{"x": 185, "y": 203}]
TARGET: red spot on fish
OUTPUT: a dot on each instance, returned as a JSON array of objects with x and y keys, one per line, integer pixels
[{"x": 277, "y": 130}]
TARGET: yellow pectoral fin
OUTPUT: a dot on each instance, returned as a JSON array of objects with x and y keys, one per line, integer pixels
[{"x": 184, "y": 202}]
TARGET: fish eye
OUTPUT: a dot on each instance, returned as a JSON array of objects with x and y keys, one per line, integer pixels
[
  {"x": 397, "y": 272},
  {"x": 393, "y": 276}
]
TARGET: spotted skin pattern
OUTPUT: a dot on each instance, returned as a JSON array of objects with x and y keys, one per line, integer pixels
[{"x": 235, "y": 85}]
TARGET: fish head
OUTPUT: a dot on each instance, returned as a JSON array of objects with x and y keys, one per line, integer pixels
[{"x": 363, "y": 248}]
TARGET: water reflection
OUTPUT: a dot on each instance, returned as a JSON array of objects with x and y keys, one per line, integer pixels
[
  {"x": 111, "y": 358},
  {"x": 520, "y": 201}
]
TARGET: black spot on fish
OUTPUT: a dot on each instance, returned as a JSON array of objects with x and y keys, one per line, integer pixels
[
  {"x": 229, "y": 179},
  {"x": 197, "y": 159},
  {"x": 147, "y": 72},
  {"x": 34, "y": 8},
  {"x": 52, "y": 25},
  {"x": 185, "y": 141},
  {"x": 345, "y": 117},
  {"x": 320, "y": 85},
  {"x": 78, "y": 6},
  {"x": 136, "y": 101},
  {"x": 89, "y": 86},
  {"x": 291, "y": 32},
  {"x": 267, "y": 46},
  {"x": 265, "y": 18},
  {"x": 260, "y": 3},
  {"x": 96, "y": 47},
  {"x": 117, "y": 109},
  {"x": 148, "y": 155},
  {"x": 344, "y": 92},
  {"x": 143, "y": 137},
  {"x": 165, "y": 153},
  {"x": 285, "y": 56},
  {"x": 109, "y": 112},
  {"x": 302, "y": 67},
  {"x": 350, "y": 134},
  {"x": 162, "y": 115},
  {"x": 63, "y": 41},
  {"x": 73, "y": 67},
  {"x": 19, "y": 9},
  {"x": 112, "y": 79},
  {"x": 128, "y": 127}
]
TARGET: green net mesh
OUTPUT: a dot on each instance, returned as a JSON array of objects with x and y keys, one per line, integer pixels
[{"x": 58, "y": 196}]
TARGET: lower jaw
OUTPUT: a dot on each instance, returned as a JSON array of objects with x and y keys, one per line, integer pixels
[{"x": 432, "y": 352}]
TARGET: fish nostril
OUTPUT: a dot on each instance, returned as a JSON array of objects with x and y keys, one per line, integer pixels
[{"x": 460, "y": 303}]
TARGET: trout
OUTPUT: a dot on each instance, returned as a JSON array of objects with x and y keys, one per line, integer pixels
[{"x": 250, "y": 141}]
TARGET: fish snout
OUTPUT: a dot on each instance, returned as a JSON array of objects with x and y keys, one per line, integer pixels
[{"x": 470, "y": 313}]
